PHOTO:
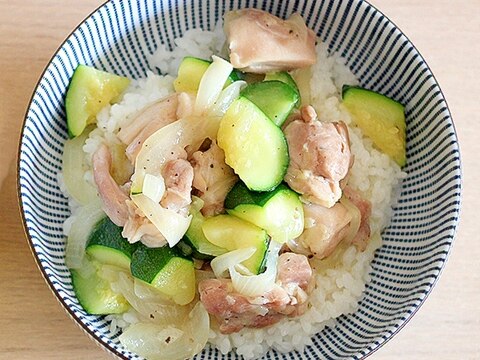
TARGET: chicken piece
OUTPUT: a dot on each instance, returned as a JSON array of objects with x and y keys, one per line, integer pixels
[
  {"x": 139, "y": 228},
  {"x": 260, "y": 42},
  {"x": 294, "y": 269},
  {"x": 163, "y": 111},
  {"x": 325, "y": 227},
  {"x": 178, "y": 175},
  {"x": 320, "y": 158},
  {"x": 212, "y": 178},
  {"x": 362, "y": 236},
  {"x": 155, "y": 117},
  {"x": 113, "y": 197},
  {"x": 235, "y": 311}
]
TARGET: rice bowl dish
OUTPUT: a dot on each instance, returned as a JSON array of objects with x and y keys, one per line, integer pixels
[{"x": 339, "y": 278}]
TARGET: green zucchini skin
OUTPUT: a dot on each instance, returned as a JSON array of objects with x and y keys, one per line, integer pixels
[
  {"x": 95, "y": 295},
  {"x": 167, "y": 270},
  {"x": 254, "y": 146},
  {"x": 148, "y": 262},
  {"x": 279, "y": 212},
  {"x": 380, "y": 118},
  {"x": 240, "y": 194},
  {"x": 275, "y": 98},
  {"x": 88, "y": 92},
  {"x": 107, "y": 245},
  {"x": 285, "y": 77}
]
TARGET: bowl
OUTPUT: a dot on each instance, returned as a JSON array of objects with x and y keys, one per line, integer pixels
[{"x": 118, "y": 37}]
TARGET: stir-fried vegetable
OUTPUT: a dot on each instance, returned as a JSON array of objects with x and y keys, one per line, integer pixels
[
  {"x": 195, "y": 239},
  {"x": 382, "y": 119},
  {"x": 94, "y": 293},
  {"x": 166, "y": 270},
  {"x": 257, "y": 285},
  {"x": 89, "y": 91},
  {"x": 233, "y": 233},
  {"x": 84, "y": 222},
  {"x": 211, "y": 84},
  {"x": 73, "y": 162},
  {"x": 279, "y": 211},
  {"x": 179, "y": 340},
  {"x": 171, "y": 224},
  {"x": 254, "y": 146},
  {"x": 107, "y": 246}
]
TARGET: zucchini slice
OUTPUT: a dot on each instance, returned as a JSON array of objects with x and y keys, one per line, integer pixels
[
  {"x": 107, "y": 245},
  {"x": 285, "y": 77},
  {"x": 89, "y": 91},
  {"x": 275, "y": 98},
  {"x": 190, "y": 73},
  {"x": 195, "y": 240},
  {"x": 94, "y": 293},
  {"x": 380, "y": 118},
  {"x": 233, "y": 233},
  {"x": 279, "y": 211},
  {"x": 166, "y": 270},
  {"x": 254, "y": 146}
]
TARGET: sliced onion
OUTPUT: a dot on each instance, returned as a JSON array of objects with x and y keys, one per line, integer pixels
[
  {"x": 72, "y": 164},
  {"x": 227, "y": 96},
  {"x": 85, "y": 220},
  {"x": 155, "y": 308},
  {"x": 356, "y": 218},
  {"x": 169, "y": 142},
  {"x": 221, "y": 264},
  {"x": 211, "y": 84},
  {"x": 169, "y": 342},
  {"x": 170, "y": 224},
  {"x": 257, "y": 285},
  {"x": 153, "y": 187}
]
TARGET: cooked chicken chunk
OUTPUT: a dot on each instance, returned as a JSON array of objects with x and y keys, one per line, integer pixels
[
  {"x": 325, "y": 227},
  {"x": 139, "y": 228},
  {"x": 320, "y": 158},
  {"x": 235, "y": 311},
  {"x": 260, "y": 42},
  {"x": 163, "y": 112},
  {"x": 178, "y": 175},
  {"x": 365, "y": 207},
  {"x": 112, "y": 195},
  {"x": 212, "y": 178},
  {"x": 153, "y": 118}
]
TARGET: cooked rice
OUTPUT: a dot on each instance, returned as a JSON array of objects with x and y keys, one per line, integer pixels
[{"x": 340, "y": 280}]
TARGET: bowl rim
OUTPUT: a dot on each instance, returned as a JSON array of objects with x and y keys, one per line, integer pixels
[{"x": 374, "y": 346}]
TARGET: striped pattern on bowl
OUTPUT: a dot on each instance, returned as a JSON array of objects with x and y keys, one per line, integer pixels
[{"x": 119, "y": 36}]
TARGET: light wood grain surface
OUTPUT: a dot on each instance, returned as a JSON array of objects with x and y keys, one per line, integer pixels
[{"x": 34, "y": 326}]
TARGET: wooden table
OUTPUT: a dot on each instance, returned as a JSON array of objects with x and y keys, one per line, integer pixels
[{"x": 34, "y": 326}]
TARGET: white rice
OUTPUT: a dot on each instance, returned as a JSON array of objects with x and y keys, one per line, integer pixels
[{"x": 340, "y": 280}]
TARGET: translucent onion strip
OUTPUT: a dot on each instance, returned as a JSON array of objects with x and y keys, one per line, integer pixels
[
  {"x": 154, "y": 187},
  {"x": 169, "y": 342},
  {"x": 356, "y": 218},
  {"x": 227, "y": 96},
  {"x": 85, "y": 220},
  {"x": 222, "y": 263},
  {"x": 257, "y": 285},
  {"x": 73, "y": 160},
  {"x": 170, "y": 224},
  {"x": 212, "y": 84}
]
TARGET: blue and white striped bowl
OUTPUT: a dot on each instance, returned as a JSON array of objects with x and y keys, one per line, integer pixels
[{"x": 119, "y": 35}]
